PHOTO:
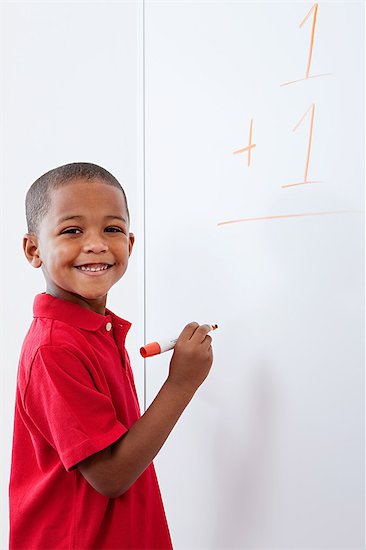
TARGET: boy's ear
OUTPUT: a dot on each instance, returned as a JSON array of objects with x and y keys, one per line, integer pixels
[
  {"x": 30, "y": 247},
  {"x": 130, "y": 245}
]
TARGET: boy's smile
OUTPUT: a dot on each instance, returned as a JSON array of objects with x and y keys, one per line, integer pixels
[{"x": 83, "y": 244}]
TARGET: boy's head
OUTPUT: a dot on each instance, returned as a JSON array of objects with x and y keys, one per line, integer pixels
[
  {"x": 78, "y": 232},
  {"x": 39, "y": 195}
]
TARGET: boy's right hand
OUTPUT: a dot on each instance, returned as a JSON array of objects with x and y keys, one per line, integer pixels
[
  {"x": 113, "y": 470},
  {"x": 192, "y": 358}
]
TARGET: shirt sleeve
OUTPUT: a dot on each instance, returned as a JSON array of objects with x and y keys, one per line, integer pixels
[{"x": 63, "y": 402}]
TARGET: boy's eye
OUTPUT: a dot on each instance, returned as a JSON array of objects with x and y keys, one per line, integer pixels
[
  {"x": 115, "y": 228},
  {"x": 70, "y": 230}
]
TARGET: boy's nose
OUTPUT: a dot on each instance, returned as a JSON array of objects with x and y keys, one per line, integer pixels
[{"x": 95, "y": 245}]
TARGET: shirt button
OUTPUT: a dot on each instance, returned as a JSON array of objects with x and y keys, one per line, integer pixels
[{"x": 108, "y": 326}]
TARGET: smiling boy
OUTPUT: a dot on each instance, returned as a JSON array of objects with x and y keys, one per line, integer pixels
[{"x": 82, "y": 474}]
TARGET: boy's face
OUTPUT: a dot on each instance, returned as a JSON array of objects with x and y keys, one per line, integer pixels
[{"x": 96, "y": 236}]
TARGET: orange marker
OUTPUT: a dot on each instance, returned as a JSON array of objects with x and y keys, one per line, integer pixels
[{"x": 159, "y": 347}]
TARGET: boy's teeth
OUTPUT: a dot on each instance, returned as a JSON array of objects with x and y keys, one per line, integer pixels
[{"x": 98, "y": 267}]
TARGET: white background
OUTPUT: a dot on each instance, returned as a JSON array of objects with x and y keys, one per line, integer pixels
[
  {"x": 270, "y": 453},
  {"x": 72, "y": 91}
]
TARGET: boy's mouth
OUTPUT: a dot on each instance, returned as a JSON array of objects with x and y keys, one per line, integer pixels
[{"x": 93, "y": 268}]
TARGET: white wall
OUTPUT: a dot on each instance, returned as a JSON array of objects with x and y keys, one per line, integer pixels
[
  {"x": 270, "y": 453},
  {"x": 72, "y": 91}
]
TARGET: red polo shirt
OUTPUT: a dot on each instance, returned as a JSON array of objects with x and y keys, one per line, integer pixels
[{"x": 76, "y": 396}]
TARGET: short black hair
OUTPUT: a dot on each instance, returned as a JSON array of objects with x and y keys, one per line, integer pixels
[{"x": 38, "y": 198}]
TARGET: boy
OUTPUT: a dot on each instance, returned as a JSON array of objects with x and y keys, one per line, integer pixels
[{"x": 82, "y": 474}]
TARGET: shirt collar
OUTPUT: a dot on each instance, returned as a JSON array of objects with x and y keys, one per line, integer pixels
[{"x": 46, "y": 305}]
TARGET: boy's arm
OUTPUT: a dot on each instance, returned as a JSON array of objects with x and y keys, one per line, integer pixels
[{"x": 112, "y": 471}]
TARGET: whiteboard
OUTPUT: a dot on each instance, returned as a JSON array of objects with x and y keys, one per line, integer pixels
[{"x": 255, "y": 120}]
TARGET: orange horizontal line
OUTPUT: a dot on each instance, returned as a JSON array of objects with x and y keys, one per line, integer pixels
[
  {"x": 306, "y": 78},
  {"x": 245, "y": 149},
  {"x": 300, "y": 183},
  {"x": 283, "y": 216}
]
